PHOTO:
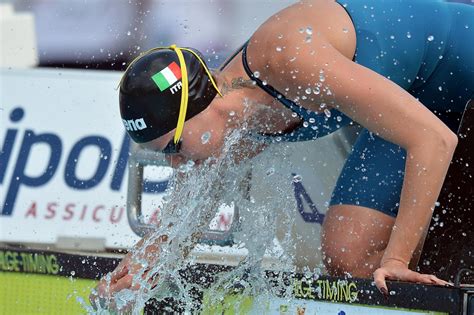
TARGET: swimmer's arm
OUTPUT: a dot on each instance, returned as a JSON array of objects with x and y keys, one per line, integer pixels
[{"x": 390, "y": 112}]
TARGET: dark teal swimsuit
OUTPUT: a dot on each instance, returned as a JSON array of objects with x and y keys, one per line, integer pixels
[{"x": 426, "y": 47}]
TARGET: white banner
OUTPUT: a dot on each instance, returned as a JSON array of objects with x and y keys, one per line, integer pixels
[{"x": 63, "y": 169}]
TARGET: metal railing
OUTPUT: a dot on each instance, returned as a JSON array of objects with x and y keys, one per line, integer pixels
[{"x": 139, "y": 158}]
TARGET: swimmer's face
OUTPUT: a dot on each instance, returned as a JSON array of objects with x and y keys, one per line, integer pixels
[{"x": 202, "y": 138}]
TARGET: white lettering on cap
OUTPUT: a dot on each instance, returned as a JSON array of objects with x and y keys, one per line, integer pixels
[
  {"x": 175, "y": 88},
  {"x": 134, "y": 124}
]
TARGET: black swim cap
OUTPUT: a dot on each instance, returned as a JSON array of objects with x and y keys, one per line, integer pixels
[{"x": 151, "y": 92}]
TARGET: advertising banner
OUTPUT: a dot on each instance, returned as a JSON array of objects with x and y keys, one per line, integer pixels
[{"x": 63, "y": 163}]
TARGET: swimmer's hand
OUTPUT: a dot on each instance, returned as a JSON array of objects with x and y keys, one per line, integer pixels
[
  {"x": 102, "y": 297},
  {"x": 123, "y": 277},
  {"x": 392, "y": 269}
]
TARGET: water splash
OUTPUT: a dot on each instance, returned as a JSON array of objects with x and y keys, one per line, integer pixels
[{"x": 195, "y": 192}]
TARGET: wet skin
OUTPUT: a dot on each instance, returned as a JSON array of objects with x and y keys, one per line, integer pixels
[{"x": 376, "y": 243}]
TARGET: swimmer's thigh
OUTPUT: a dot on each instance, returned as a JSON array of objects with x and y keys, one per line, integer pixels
[{"x": 363, "y": 207}]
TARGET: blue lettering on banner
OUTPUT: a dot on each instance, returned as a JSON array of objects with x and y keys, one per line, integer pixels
[
  {"x": 19, "y": 178},
  {"x": 105, "y": 151},
  {"x": 121, "y": 166},
  {"x": 301, "y": 196},
  {"x": 16, "y": 115}
]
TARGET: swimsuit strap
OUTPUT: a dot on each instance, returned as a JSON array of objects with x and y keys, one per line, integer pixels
[
  {"x": 231, "y": 57},
  {"x": 300, "y": 111},
  {"x": 313, "y": 125}
]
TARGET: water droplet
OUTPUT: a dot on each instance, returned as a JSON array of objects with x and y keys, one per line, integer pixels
[
  {"x": 312, "y": 120},
  {"x": 280, "y": 36},
  {"x": 264, "y": 82},
  {"x": 430, "y": 38},
  {"x": 270, "y": 171},
  {"x": 256, "y": 74},
  {"x": 309, "y": 30},
  {"x": 437, "y": 203},
  {"x": 440, "y": 88},
  {"x": 466, "y": 26},
  {"x": 205, "y": 137},
  {"x": 305, "y": 124},
  {"x": 297, "y": 178},
  {"x": 316, "y": 90},
  {"x": 308, "y": 91},
  {"x": 339, "y": 118},
  {"x": 190, "y": 163},
  {"x": 292, "y": 59},
  {"x": 327, "y": 112},
  {"x": 301, "y": 30},
  {"x": 322, "y": 78},
  {"x": 408, "y": 35},
  {"x": 231, "y": 113},
  {"x": 129, "y": 33},
  {"x": 392, "y": 36},
  {"x": 294, "y": 115},
  {"x": 345, "y": 30}
]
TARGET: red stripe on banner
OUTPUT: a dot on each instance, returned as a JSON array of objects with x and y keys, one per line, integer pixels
[{"x": 175, "y": 69}]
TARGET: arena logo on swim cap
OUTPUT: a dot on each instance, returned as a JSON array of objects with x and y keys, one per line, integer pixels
[
  {"x": 134, "y": 125},
  {"x": 167, "y": 77}
]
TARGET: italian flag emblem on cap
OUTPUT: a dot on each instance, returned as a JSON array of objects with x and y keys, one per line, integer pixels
[{"x": 168, "y": 76}]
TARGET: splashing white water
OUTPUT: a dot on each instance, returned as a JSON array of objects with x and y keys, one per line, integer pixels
[{"x": 195, "y": 192}]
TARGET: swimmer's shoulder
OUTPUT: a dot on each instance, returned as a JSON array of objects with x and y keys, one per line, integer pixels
[{"x": 274, "y": 44}]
